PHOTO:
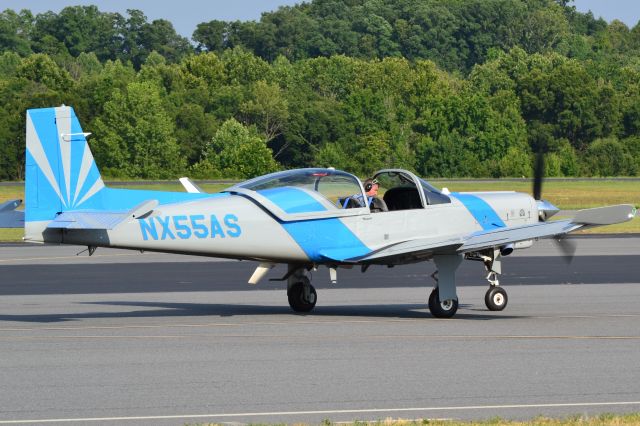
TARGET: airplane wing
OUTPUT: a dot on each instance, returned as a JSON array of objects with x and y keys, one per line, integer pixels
[
  {"x": 501, "y": 236},
  {"x": 584, "y": 219},
  {"x": 411, "y": 250},
  {"x": 422, "y": 248}
]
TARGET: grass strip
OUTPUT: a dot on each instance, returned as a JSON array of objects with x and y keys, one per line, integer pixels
[{"x": 578, "y": 420}]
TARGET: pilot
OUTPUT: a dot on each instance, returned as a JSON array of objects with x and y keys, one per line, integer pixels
[{"x": 376, "y": 205}]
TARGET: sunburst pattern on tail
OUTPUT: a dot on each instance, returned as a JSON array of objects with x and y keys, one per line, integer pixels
[{"x": 61, "y": 173}]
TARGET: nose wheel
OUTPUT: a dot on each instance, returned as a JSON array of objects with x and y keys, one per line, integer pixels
[{"x": 496, "y": 298}]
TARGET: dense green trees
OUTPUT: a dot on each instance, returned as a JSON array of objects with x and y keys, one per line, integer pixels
[{"x": 445, "y": 88}]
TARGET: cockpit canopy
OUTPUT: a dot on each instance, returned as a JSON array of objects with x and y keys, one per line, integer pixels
[
  {"x": 326, "y": 187},
  {"x": 402, "y": 190},
  {"x": 315, "y": 192}
]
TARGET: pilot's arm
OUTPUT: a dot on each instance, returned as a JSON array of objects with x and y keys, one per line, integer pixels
[{"x": 377, "y": 205}]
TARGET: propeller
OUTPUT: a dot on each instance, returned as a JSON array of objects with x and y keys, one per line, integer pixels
[
  {"x": 566, "y": 245},
  {"x": 545, "y": 208},
  {"x": 538, "y": 174}
]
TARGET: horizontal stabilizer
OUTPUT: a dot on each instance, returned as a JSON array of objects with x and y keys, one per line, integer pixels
[
  {"x": 87, "y": 220},
  {"x": 10, "y": 205},
  {"x": 9, "y": 217},
  {"x": 605, "y": 215},
  {"x": 100, "y": 219}
]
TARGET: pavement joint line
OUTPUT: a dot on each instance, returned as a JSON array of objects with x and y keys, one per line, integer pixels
[
  {"x": 27, "y": 259},
  {"x": 325, "y": 412},
  {"x": 296, "y": 323},
  {"x": 316, "y": 337},
  {"x": 239, "y": 324}
]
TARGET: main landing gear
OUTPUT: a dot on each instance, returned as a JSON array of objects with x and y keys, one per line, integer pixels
[
  {"x": 301, "y": 294},
  {"x": 442, "y": 309},
  {"x": 443, "y": 301}
]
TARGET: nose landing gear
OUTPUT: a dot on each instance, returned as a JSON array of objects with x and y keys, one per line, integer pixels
[{"x": 496, "y": 297}]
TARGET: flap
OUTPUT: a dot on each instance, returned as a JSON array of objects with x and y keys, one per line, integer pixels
[{"x": 416, "y": 249}]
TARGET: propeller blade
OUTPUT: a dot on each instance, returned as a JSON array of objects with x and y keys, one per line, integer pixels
[
  {"x": 538, "y": 174},
  {"x": 568, "y": 248}
]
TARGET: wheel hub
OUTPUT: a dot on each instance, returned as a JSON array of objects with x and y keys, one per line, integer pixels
[
  {"x": 446, "y": 304},
  {"x": 311, "y": 298}
]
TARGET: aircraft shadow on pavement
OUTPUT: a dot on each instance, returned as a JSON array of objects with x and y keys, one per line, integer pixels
[{"x": 399, "y": 311}]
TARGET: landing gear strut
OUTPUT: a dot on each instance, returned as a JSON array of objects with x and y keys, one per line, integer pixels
[
  {"x": 301, "y": 294},
  {"x": 443, "y": 300},
  {"x": 496, "y": 297}
]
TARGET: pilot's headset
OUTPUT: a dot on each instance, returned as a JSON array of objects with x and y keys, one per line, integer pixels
[{"x": 368, "y": 184}]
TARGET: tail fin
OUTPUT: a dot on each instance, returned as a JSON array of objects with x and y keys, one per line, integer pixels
[
  {"x": 62, "y": 176},
  {"x": 61, "y": 173}
]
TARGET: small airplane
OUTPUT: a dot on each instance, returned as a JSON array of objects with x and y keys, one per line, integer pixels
[{"x": 295, "y": 217}]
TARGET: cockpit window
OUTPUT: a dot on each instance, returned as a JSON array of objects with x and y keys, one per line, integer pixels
[
  {"x": 313, "y": 189},
  {"x": 433, "y": 194},
  {"x": 401, "y": 190},
  {"x": 398, "y": 190}
]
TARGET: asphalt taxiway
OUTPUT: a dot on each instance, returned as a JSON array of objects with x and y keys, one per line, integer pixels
[{"x": 126, "y": 338}]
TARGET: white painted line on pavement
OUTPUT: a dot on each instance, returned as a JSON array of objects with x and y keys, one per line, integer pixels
[{"x": 323, "y": 412}]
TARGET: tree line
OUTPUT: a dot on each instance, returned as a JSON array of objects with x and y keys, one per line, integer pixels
[{"x": 447, "y": 88}]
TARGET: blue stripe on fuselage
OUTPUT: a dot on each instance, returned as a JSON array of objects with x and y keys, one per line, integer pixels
[
  {"x": 315, "y": 235},
  {"x": 481, "y": 211},
  {"x": 292, "y": 200}
]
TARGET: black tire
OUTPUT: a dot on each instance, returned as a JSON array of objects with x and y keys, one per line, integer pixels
[
  {"x": 440, "y": 309},
  {"x": 496, "y": 298},
  {"x": 297, "y": 300}
]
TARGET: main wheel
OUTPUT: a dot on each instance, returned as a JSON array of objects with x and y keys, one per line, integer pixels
[
  {"x": 496, "y": 298},
  {"x": 297, "y": 299},
  {"x": 442, "y": 309}
]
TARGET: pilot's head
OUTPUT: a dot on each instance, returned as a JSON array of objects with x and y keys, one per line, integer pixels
[{"x": 371, "y": 187}]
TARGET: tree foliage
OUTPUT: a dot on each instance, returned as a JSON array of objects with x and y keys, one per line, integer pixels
[{"x": 442, "y": 87}]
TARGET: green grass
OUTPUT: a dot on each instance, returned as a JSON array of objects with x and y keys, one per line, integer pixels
[
  {"x": 600, "y": 420},
  {"x": 170, "y": 186},
  {"x": 566, "y": 194},
  {"x": 11, "y": 235}
]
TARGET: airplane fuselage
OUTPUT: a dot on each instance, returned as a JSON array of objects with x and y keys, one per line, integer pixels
[{"x": 235, "y": 226}]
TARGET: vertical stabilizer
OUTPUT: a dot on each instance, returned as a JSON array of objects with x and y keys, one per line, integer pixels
[{"x": 61, "y": 173}]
